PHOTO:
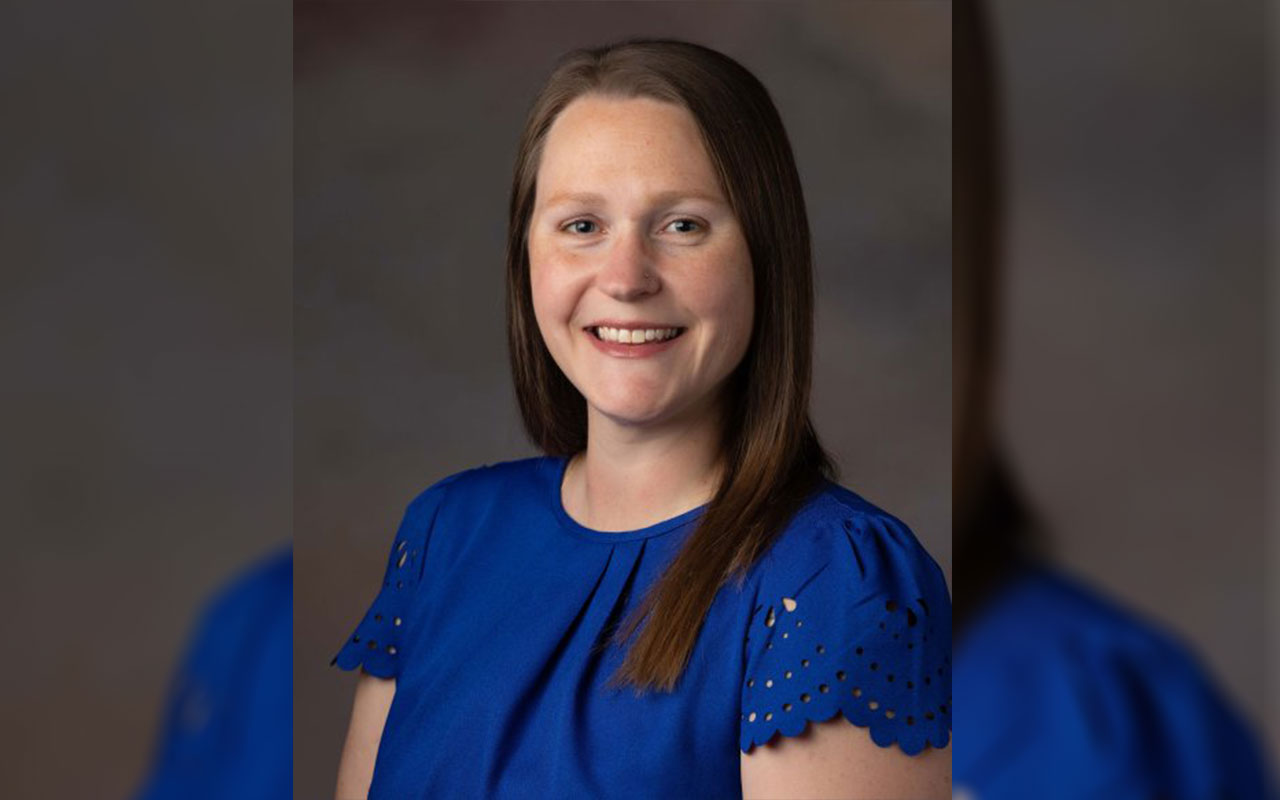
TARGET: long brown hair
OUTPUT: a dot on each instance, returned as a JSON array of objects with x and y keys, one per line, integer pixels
[{"x": 772, "y": 458}]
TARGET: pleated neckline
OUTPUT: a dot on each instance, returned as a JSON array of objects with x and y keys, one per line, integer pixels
[{"x": 558, "y": 465}]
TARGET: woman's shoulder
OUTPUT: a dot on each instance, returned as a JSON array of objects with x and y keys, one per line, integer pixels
[
  {"x": 849, "y": 614},
  {"x": 838, "y": 528},
  {"x": 1114, "y": 692},
  {"x": 1053, "y": 626},
  {"x": 833, "y": 507},
  {"x": 1064, "y": 614},
  {"x": 501, "y": 478}
]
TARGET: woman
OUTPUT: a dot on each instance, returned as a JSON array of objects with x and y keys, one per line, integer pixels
[{"x": 676, "y": 601}]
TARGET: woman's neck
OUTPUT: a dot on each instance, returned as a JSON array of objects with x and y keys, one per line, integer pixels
[{"x": 631, "y": 477}]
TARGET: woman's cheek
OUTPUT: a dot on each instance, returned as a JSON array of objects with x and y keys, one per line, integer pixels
[{"x": 728, "y": 293}]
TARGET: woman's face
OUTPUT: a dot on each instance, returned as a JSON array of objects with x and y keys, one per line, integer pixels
[{"x": 631, "y": 238}]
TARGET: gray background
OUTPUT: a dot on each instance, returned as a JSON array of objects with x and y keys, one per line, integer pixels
[
  {"x": 1137, "y": 312},
  {"x": 144, "y": 361},
  {"x": 405, "y": 129}
]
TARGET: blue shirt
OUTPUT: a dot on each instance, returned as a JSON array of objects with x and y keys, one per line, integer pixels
[
  {"x": 228, "y": 727},
  {"x": 496, "y": 609},
  {"x": 1062, "y": 694}
]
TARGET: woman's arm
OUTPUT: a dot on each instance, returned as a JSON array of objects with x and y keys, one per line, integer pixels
[
  {"x": 368, "y": 716},
  {"x": 835, "y": 759}
]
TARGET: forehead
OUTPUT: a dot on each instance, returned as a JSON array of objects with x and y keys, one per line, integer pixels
[{"x": 614, "y": 145}]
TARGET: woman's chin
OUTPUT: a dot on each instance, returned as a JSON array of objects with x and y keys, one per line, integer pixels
[{"x": 632, "y": 411}]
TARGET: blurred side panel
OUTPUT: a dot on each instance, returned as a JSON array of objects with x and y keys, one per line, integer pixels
[
  {"x": 1272, "y": 28},
  {"x": 145, "y": 347},
  {"x": 1136, "y": 316}
]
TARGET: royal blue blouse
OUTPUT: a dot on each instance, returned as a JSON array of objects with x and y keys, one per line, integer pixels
[
  {"x": 227, "y": 732},
  {"x": 1064, "y": 695},
  {"x": 495, "y": 614}
]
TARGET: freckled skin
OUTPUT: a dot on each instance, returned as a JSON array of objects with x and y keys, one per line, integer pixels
[{"x": 658, "y": 209}]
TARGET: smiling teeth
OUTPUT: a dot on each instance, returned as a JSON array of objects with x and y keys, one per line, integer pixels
[{"x": 637, "y": 336}]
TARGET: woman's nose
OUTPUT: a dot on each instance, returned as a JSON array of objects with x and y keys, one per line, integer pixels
[{"x": 627, "y": 269}]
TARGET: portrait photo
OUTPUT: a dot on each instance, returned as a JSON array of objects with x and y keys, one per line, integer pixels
[{"x": 574, "y": 286}]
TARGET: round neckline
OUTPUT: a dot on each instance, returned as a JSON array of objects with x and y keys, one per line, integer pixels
[{"x": 561, "y": 463}]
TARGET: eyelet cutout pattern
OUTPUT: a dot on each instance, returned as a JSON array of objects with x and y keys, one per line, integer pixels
[
  {"x": 893, "y": 677},
  {"x": 376, "y": 642},
  {"x": 387, "y": 621}
]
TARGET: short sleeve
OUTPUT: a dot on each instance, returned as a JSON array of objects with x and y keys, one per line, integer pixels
[
  {"x": 377, "y": 642},
  {"x": 851, "y": 617}
]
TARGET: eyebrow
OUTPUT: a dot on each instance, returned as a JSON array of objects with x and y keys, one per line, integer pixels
[{"x": 660, "y": 198}]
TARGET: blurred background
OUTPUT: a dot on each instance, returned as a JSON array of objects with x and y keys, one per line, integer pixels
[
  {"x": 1132, "y": 308},
  {"x": 145, "y": 399},
  {"x": 1134, "y": 399},
  {"x": 406, "y": 123}
]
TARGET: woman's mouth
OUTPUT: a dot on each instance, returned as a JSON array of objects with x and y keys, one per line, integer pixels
[
  {"x": 634, "y": 336},
  {"x": 632, "y": 342}
]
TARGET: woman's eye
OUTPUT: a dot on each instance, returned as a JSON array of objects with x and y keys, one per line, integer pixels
[
  {"x": 581, "y": 226},
  {"x": 684, "y": 226}
]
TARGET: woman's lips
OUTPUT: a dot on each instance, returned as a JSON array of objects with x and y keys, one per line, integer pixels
[{"x": 642, "y": 350}]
